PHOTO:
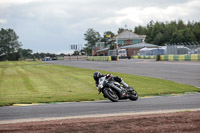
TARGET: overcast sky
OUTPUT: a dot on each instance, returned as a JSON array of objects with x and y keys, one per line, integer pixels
[{"x": 53, "y": 25}]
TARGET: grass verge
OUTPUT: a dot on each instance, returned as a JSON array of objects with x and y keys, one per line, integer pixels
[{"x": 35, "y": 82}]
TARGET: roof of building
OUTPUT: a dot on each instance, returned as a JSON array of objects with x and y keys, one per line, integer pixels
[
  {"x": 104, "y": 49},
  {"x": 126, "y": 34},
  {"x": 140, "y": 45},
  {"x": 149, "y": 49}
]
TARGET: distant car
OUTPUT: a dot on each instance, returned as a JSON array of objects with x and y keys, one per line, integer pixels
[{"x": 54, "y": 58}]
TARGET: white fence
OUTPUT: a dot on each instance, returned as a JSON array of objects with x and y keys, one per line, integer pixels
[
  {"x": 112, "y": 53},
  {"x": 183, "y": 48}
]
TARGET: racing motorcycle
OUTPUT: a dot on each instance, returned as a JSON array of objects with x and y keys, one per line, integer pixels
[{"x": 114, "y": 91}]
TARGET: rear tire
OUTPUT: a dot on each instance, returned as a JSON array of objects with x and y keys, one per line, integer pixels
[{"x": 111, "y": 95}]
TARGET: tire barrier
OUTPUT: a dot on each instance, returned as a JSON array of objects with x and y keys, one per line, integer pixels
[
  {"x": 75, "y": 57},
  {"x": 144, "y": 57},
  {"x": 194, "y": 57},
  {"x": 102, "y": 58},
  {"x": 114, "y": 58}
]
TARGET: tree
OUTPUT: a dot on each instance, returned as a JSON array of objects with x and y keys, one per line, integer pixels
[
  {"x": 61, "y": 54},
  {"x": 160, "y": 33},
  {"x": 181, "y": 25},
  {"x": 140, "y": 30},
  {"x": 183, "y": 36},
  {"x": 159, "y": 39},
  {"x": 120, "y": 30},
  {"x": 196, "y": 30},
  {"x": 91, "y": 36},
  {"x": 26, "y": 53},
  {"x": 76, "y": 52},
  {"x": 36, "y": 55},
  {"x": 106, "y": 36},
  {"x": 9, "y": 45}
]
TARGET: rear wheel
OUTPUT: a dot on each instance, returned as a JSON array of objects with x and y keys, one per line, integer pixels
[{"x": 111, "y": 95}]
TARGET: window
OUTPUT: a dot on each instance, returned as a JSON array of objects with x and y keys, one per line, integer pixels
[
  {"x": 120, "y": 41},
  {"x": 136, "y": 41}
]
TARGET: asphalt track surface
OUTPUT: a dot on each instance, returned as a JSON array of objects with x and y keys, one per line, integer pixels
[
  {"x": 182, "y": 72},
  {"x": 189, "y": 101}
]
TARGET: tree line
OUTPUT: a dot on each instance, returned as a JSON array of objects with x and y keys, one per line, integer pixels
[{"x": 159, "y": 33}]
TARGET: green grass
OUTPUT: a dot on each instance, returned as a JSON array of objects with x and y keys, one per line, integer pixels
[{"x": 35, "y": 82}]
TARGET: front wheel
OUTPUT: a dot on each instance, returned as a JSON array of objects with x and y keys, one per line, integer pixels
[
  {"x": 133, "y": 96},
  {"x": 111, "y": 95}
]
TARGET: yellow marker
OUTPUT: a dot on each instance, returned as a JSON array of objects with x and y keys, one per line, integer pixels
[
  {"x": 170, "y": 57},
  {"x": 162, "y": 57},
  {"x": 25, "y": 104},
  {"x": 194, "y": 57},
  {"x": 109, "y": 58},
  {"x": 181, "y": 57}
]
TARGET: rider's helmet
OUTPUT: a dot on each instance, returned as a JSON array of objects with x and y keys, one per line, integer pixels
[{"x": 96, "y": 75}]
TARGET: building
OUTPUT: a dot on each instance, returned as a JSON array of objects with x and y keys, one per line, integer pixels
[
  {"x": 98, "y": 46},
  {"x": 134, "y": 48},
  {"x": 128, "y": 40}
]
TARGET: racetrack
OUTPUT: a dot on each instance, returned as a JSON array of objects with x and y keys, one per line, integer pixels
[
  {"x": 63, "y": 110},
  {"x": 182, "y": 72}
]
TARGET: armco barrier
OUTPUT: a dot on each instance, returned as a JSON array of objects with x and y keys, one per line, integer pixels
[
  {"x": 194, "y": 57},
  {"x": 143, "y": 57},
  {"x": 102, "y": 58}
]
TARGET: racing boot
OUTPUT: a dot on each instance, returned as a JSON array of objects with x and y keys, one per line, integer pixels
[{"x": 124, "y": 84}]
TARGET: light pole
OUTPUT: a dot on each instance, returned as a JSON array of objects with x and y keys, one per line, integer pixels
[{"x": 117, "y": 46}]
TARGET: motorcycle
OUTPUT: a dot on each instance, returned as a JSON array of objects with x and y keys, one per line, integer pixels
[{"x": 114, "y": 91}]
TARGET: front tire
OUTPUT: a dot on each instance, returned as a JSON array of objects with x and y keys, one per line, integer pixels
[
  {"x": 133, "y": 96},
  {"x": 111, "y": 95}
]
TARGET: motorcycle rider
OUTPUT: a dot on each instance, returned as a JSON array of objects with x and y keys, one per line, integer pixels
[{"x": 98, "y": 75}]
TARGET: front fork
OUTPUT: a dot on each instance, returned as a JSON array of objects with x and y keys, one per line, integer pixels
[{"x": 99, "y": 90}]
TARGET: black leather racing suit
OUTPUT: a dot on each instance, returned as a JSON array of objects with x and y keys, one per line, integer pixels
[{"x": 116, "y": 78}]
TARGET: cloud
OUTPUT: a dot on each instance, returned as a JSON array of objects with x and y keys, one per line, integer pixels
[
  {"x": 142, "y": 15},
  {"x": 55, "y": 24},
  {"x": 11, "y": 2},
  {"x": 3, "y": 21}
]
